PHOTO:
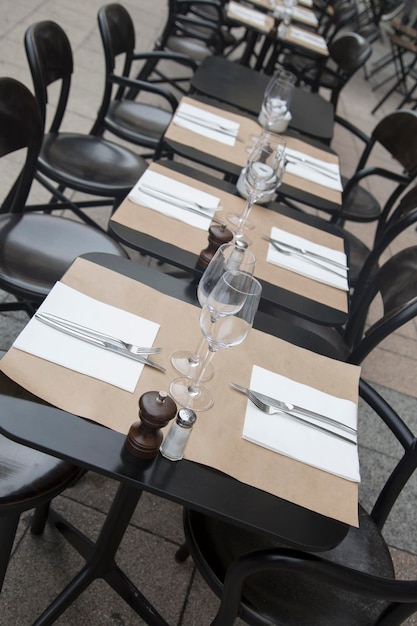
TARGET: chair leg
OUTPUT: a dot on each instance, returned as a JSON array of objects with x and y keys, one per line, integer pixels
[
  {"x": 40, "y": 518},
  {"x": 182, "y": 553},
  {"x": 8, "y": 526}
]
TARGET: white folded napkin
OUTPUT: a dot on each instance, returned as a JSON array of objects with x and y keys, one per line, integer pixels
[
  {"x": 303, "y": 35},
  {"x": 74, "y": 354},
  {"x": 167, "y": 206},
  {"x": 306, "y": 3},
  {"x": 309, "y": 172},
  {"x": 289, "y": 437},
  {"x": 307, "y": 17},
  {"x": 256, "y": 17},
  {"x": 208, "y": 118},
  {"x": 306, "y": 266}
]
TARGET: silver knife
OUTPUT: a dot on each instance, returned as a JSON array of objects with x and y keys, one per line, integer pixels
[
  {"x": 285, "y": 250},
  {"x": 315, "y": 255},
  {"x": 94, "y": 339},
  {"x": 181, "y": 204},
  {"x": 289, "y": 408},
  {"x": 218, "y": 128}
]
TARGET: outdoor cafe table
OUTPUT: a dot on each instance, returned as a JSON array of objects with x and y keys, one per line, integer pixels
[
  {"x": 242, "y": 87},
  {"x": 180, "y": 244},
  {"x": 230, "y": 159},
  {"x": 300, "y": 505}
]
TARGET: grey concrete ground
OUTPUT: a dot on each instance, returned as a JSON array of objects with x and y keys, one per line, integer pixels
[{"x": 41, "y": 566}]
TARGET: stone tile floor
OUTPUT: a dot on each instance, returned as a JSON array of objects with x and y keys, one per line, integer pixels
[{"x": 41, "y": 566}]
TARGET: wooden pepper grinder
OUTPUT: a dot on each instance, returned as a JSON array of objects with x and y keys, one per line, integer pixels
[
  {"x": 218, "y": 235},
  {"x": 156, "y": 409}
]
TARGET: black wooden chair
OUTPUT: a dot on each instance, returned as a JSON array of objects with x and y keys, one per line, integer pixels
[
  {"x": 80, "y": 162},
  {"x": 142, "y": 123},
  {"x": 264, "y": 582},
  {"x": 347, "y": 54},
  {"x": 36, "y": 248},
  {"x": 397, "y": 134}
]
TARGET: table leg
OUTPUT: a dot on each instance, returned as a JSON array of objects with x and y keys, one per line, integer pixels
[{"x": 100, "y": 561}]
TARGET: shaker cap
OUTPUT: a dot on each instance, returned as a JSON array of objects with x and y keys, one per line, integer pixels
[{"x": 186, "y": 418}]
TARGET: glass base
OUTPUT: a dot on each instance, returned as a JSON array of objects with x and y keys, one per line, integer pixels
[
  {"x": 182, "y": 362},
  {"x": 198, "y": 399}
]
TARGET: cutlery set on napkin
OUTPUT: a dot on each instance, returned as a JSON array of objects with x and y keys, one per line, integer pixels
[
  {"x": 307, "y": 258},
  {"x": 207, "y": 124},
  {"x": 311, "y": 38},
  {"x": 245, "y": 13},
  {"x": 321, "y": 432},
  {"x": 310, "y": 168},
  {"x": 174, "y": 199}
]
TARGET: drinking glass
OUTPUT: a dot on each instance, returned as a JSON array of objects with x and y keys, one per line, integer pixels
[
  {"x": 260, "y": 178},
  {"x": 276, "y": 101},
  {"x": 233, "y": 256},
  {"x": 286, "y": 16},
  {"x": 225, "y": 321}
]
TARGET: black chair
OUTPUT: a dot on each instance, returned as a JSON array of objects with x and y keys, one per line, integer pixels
[
  {"x": 36, "y": 248},
  {"x": 264, "y": 582},
  {"x": 389, "y": 228},
  {"x": 394, "y": 285},
  {"x": 347, "y": 54},
  {"x": 141, "y": 123},
  {"x": 397, "y": 134},
  {"x": 80, "y": 162},
  {"x": 195, "y": 28}
]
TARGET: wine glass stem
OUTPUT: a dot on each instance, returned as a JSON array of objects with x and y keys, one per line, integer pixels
[
  {"x": 195, "y": 359},
  {"x": 195, "y": 384},
  {"x": 242, "y": 220}
]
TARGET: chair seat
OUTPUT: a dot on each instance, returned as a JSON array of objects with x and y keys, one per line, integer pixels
[
  {"x": 298, "y": 601},
  {"x": 191, "y": 47},
  {"x": 360, "y": 205},
  {"x": 137, "y": 122},
  {"x": 37, "y": 249},
  {"x": 90, "y": 164}
]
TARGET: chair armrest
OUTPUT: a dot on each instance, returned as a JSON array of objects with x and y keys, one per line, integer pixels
[
  {"x": 162, "y": 55},
  {"x": 373, "y": 171},
  {"x": 329, "y": 573},
  {"x": 351, "y": 128},
  {"x": 141, "y": 85}
]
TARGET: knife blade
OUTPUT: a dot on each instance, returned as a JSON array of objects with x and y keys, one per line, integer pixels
[
  {"x": 111, "y": 346},
  {"x": 293, "y": 408},
  {"x": 315, "y": 255}
]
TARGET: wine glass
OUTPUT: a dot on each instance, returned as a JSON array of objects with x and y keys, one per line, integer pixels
[
  {"x": 286, "y": 16},
  {"x": 276, "y": 100},
  {"x": 225, "y": 321},
  {"x": 229, "y": 257},
  {"x": 260, "y": 178}
]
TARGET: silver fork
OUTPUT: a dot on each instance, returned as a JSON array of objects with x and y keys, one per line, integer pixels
[
  {"x": 195, "y": 119},
  {"x": 270, "y": 410},
  {"x": 317, "y": 168},
  {"x": 146, "y": 187},
  {"x": 181, "y": 204}
]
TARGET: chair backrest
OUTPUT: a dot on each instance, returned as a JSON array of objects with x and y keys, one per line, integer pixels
[
  {"x": 20, "y": 127},
  {"x": 117, "y": 32},
  {"x": 350, "y": 52},
  {"x": 397, "y": 133},
  {"x": 396, "y": 284},
  {"x": 49, "y": 54}
]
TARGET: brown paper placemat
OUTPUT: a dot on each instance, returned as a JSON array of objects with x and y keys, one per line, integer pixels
[
  {"x": 194, "y": 240},
  {"x": 238, "y": 154},
  {"x": 216, "y": 439}
]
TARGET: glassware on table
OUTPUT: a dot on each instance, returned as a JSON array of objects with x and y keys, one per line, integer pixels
[
  {"x": 286, "y": 16},
  {"x": 229, "y": 257},
  {"x": 259, "y": 179},
  {"x": 225, "y": 321},
  {"x": 276, "y": 102}
]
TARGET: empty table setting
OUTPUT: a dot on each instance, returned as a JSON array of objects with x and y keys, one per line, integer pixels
[
  {"x": 220, "y": 139},
  {"x": 303, "y": 269},
  {"x": 297, "y": 465}
]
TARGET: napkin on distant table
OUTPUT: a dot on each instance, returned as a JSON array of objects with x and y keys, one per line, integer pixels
[
  {"x": 165, "y": 205},
  {"x": 55, "y": 346},
  {"x": 304, "y": 170},
  {"x": 303, "y": 266},
  {"x": 209, "y": 121},
  {"x": 306, "y": 16},
  {"x": 251, "y": 15},
  {"x": 287, "y": 436},
  {"x": 303, "y": 35}
]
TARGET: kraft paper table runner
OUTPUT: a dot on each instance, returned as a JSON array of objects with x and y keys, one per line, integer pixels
[
  {"x": 216, "y": 440},
  {"x": 184, "y": 236}
]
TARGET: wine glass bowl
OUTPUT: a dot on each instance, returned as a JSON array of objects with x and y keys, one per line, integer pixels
[
  {"x": 225, "y": 321},
  {"x": 259, "y": 179},
  {"x": 229, "y": 257}
]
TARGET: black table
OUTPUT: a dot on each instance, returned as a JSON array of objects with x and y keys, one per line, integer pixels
[
  {"x": 100, "y": 449},
  {"x": 243, "y": 88},
  {"x": 272, "y": 295}
]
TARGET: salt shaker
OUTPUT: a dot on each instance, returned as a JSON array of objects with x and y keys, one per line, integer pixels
[{"x": 175, "y": 441}]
